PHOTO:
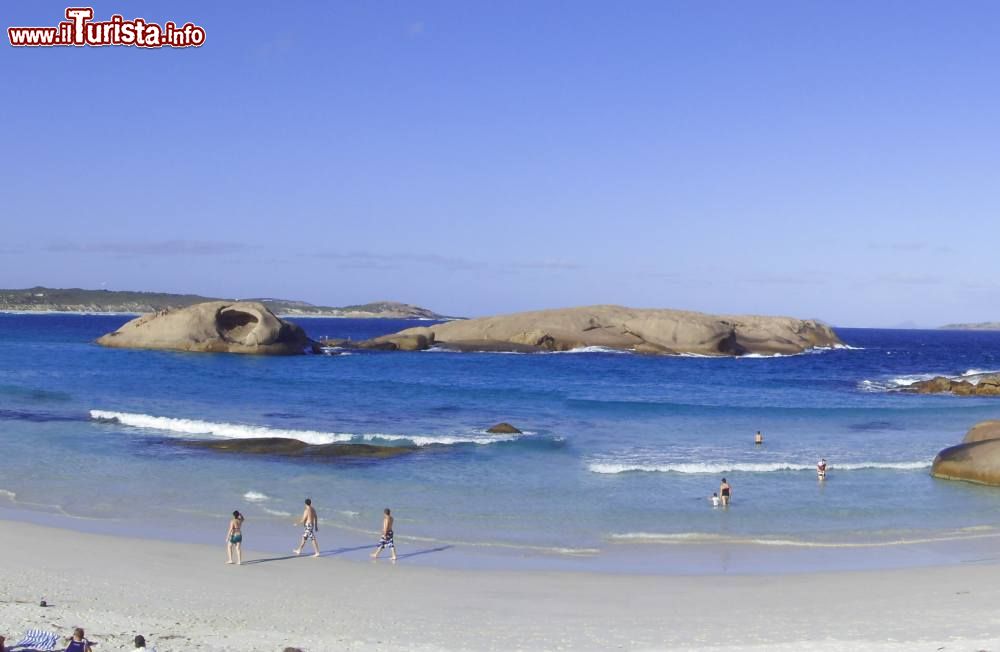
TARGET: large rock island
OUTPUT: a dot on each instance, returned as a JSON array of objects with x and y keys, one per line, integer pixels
[
  {"x": 617, "y": 327},
  {"x": 213, "y": 327},
  {"x": 976, "y": 459}
]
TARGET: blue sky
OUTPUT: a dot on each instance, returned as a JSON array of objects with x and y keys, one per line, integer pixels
[{"x": 820, "y": 159}]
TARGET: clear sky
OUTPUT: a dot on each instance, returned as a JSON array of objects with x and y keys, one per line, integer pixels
[{"x": 837, "y": 160}]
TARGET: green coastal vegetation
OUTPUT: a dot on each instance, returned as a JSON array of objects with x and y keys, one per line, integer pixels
[{"x": 43, "y": 299}]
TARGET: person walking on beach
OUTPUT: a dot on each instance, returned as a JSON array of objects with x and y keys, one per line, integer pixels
[
  {"x": 234, "y": 539},
  {"x": 725, "y": 492},
  {"x": 310, "y": 522},
  {"x": 387, "y": 536}
]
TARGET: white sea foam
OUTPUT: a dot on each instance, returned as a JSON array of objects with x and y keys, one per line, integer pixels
[
  {"x": 225, "y": 430},
  {"x": 701, "y": 538},
  {"x": 349, "y": 514},
  {"x": 255, "y": 497},
  {"x": 595, "y": 349},
  {"x": 757, "y": 356},
  {"x": 9, "y": 495},
  {"x": 276, "y": 512},
  {"x": 979, "y": 372},
  {"x": 615, "y": 468}
]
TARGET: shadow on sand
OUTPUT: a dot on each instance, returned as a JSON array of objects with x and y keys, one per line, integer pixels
[
  {"x": 423, "y": 552},
  {"x": 306, "y": 555}
]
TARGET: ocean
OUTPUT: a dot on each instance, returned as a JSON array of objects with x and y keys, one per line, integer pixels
[{"x": 619, "y": 455}]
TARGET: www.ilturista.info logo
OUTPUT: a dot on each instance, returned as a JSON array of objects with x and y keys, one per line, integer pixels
[{"x": 79, "y": 29}]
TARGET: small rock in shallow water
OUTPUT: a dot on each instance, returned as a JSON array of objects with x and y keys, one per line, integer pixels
[{"x": 504, "y": 428}]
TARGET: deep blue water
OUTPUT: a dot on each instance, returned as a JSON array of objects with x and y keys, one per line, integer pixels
[{"x": 621, "y": 448}]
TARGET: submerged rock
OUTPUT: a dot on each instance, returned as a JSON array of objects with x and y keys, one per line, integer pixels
[
  {"x": 296, "y": 448},
  {"x": 976, "y": 459},
  {"x": 631, "y": 329},
  {"x": 504, "y": 428},
  {"x": 213, "y": 327}
]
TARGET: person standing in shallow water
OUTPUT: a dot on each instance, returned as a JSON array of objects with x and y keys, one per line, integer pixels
[
  {"x": 310, "y": 522},
  {"x": 234, "y": 539},
  {"x": 387, "y": 540},
  {"x": 758, "y": 439},
  {"x": 725, "y": 492}
]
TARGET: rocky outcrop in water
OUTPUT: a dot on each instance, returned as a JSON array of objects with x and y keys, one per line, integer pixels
[
  {"x": 976, "y": 459},
  {"x": 294, "y": 448},
  {"x": 212, "y": 327},
  {"x": 978, "y": 385},
  {"x": 620, "y": 328},
  {"x": 983, "y": 431},
  {"x": 503, "y": 428}
]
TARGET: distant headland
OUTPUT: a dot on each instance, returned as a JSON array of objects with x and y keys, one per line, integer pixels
[
  {"x": 76, "y": 300},
  {"x": 980, "y": 326}
]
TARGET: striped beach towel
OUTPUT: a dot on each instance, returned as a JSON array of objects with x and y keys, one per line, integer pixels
[{"x": 36, "y": 639}]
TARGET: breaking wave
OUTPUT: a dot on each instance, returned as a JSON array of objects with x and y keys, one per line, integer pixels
[
  {"x": 612, "y": 468},
  {"x": 255, "y": 497},
  {"x": 223, "y": 430},
  {"x": 595, "y": 349}
]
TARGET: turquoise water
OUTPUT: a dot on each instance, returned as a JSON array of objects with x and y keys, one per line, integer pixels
[{"x": 620, "y": 449}]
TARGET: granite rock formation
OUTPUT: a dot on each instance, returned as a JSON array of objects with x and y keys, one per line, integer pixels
[
  {"x": 976, "y": 459},
  {"x": 616, "y": 327},
  {"x": 212, "y": 327}
]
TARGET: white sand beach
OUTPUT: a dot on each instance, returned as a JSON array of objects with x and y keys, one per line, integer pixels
[{"x": 184, "y": 597}]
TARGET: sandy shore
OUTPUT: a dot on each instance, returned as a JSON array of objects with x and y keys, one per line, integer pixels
[{"x": 184, "y": 597}]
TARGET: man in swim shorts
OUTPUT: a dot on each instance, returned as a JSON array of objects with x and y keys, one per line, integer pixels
[
  {"x": 387, "y": 536},
  {"x": 310, "y": 522}
]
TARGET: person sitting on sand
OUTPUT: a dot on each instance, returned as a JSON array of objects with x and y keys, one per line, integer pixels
[
  {"x": 234, "y": 538},
  {"x": 725, "y": 492},
  {"x": 310, "y": 522},
  {"x": 140, "y": 644},
  {"x": 758, "y": 439},
  {"x": 387, "y": 536},
  {"x": 821, "y": 469},
  {"x": 715, "y": 500},
  {"x": 79, "y": 643}
]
